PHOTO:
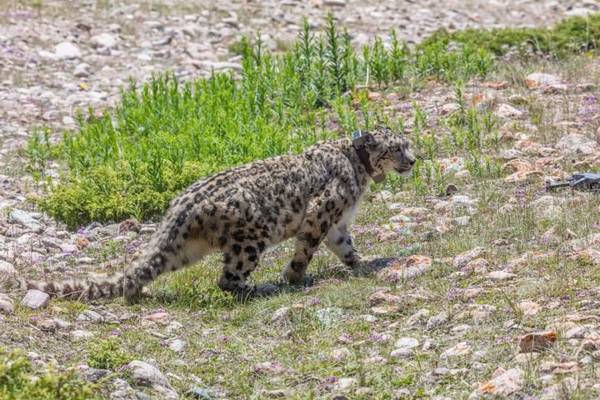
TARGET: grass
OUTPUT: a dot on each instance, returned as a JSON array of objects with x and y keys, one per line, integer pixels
[
  {"x": 107, "y": 354},
  {"x": 572, "y": 35},
  {"x": 17, "y": 382}
]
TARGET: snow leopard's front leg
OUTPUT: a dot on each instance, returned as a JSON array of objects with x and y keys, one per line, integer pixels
[
  {"x": 339, "y": 241},
  {"x": 323, "y": 213}
]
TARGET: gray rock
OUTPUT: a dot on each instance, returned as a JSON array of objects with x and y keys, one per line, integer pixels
[
  {"x": 7, "y": 270},
  {"x": 122, "y": 390},
  {"x": 508, "y": 111},
  {"x": 577, "y": 144},
  {"x": 93, "y": 374},
  {"x": 463, "y": 259},
  {"x": 6, "y": 304},
  {"x": 503, "y": 383},
  {"x": 68, "y": 248},
  {"x": 89, "y": 316},
  {"x": 335, "y": 3},
  {"x": 81, "y": 70},
  {"x": 344, "y": 384},
  {"x": 144, "y": 374},
  {"x": 418, "y": 317},
  {"x": 35, "y": 299},
  {"x": 218, "y": 65},
  {"x": 173, "y": 327},
  {"x": 402, "y": 394},
  {"x": 402, "y": 353},
  {"x": 578, "y": 12},
  {"x": 25, "y": 219},
  {"x": 281, "y": 314},
  {"x": 105, "y": 40},
  {"x": 460, "y": 349},
  {"x": 66, "y": 51},
  {"x": 540, "y": 79},
  {"x": 449, "y": 108},
  {"x": 80, "y": 334},
  {"x": 177, "y": 345},
  {"x": 437, "y": 320},
  {"x": 199, "y": 393},
  {"x": 501, "y": 275},
  {"x": 165, "y": 393},
  {"x": 407, "y": 342}
]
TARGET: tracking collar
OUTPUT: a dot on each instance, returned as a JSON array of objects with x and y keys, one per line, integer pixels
[{"x": 358, "y": 142}]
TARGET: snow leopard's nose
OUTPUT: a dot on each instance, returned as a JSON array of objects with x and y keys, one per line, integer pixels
[{"x": 410, "y": 158}]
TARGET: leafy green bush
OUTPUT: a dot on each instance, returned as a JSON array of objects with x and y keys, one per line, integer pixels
[
  {"x": 165, "y": 134},
  {"x": 107, "y": 354},
  {"x": 574, "y": 34},
  {"x": 17, "y": 382}
]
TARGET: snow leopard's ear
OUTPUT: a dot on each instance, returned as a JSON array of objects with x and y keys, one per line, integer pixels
[{"x": 366, "y": 139}]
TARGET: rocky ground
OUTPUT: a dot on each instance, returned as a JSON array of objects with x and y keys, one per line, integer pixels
[{"x": 459, "y": 318}]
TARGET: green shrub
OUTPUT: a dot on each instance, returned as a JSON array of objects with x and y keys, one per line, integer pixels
[
  {"x": 17, "y": 382},
  {"x": 107, "y": 354},
  {"x": 574, "y": 34}
]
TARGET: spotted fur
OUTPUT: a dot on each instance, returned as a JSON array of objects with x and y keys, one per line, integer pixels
[{"x": 243, "y": 211}]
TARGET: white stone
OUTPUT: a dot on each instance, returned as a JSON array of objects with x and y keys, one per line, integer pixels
[
  {"x": 449, "y": 108},
  {"x": 6, "y": 270},
  {"x": 501, "y": 275},
  {"x": 529, "y": 308},
  {"x": 66, "y": 51},
  {"x": 508, "y": 111},
  {"x": 80, "y": 334},
  {"x": 341, "y": 353},
  {"x": 460, "y": 349},
  {"x": 68, "y": 248},
  {"x": 505, "y": 383},
  {"x": 281, "y": 314},
  {"x": 437, "y": 320},
  {"x": 578, "y": 144},
  {"x": 35, "y": 299},
  {"x": 6, "y": 304},
  {"x": 25, "y": 219},
  {"x": 539, "y": 79},
  {"x": 345, "y": 383},
  {"x": 89, "y": 316},
  {"x": 173, "y": 327},
  {"x": 402, "y": 353},
  {"x": 144, "y": 374},
  {"x": 105, "y": 40},
  {"x": 407, "y": 343},
  {"x": 578, "y": 12},
  {"x": 81, "y": 70},
  {"x": 577, "y": 332},
  {"x": 463, "y": 259},
  {"x": 335, "y": 3},
  {"x": 177, "y": 345}
]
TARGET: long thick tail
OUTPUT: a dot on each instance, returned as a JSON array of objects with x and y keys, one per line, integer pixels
[
  {"x": 91, "y": 288},
  {"x": 168, "y": 250},
  {"x": 127, "y": 283}
]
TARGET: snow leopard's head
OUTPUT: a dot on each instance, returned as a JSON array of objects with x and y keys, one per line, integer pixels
[{"x": 383, "y": 151}]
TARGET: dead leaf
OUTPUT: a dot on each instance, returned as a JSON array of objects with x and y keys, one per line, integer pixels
[
  {"x": 560, "y": 367},
  {"x": 406, "y": 267},
  {"x": 537, "y": 341},
  {"x": 381, "y": 297},
  {"x": 496, "y": 85},
  {"x": 487, "y": 387}
]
